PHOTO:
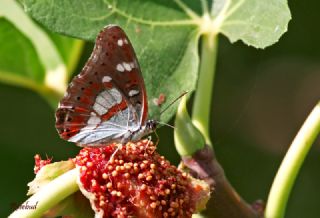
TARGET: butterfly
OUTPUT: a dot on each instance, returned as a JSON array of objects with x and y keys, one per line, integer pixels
[{"x": 107, "y": 101}]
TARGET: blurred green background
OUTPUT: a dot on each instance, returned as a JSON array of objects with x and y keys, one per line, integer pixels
[{"x": 261, "y": 98}]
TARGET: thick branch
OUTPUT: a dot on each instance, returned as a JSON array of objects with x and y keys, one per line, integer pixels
[{"x": 225, "y": 201}]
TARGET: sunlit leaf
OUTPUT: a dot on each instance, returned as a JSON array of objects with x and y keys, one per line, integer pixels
[
  {"x": 30, "y": 57},
  {"x": 255, "y": 22}
]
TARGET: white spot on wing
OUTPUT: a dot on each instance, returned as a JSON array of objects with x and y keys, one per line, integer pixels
[
  {"x": 132, "y": 65},
  {"x": 99, "y": 109},
  {"x": 127, "y": 66},
  {"x": 133, "y": 92},
  {"x": 94, "y": 58},
  {"x": 106, "y": 79},
  {"x": 125, "y": 41},
  {"x": 95, "y": 55},
  {"x": 120, "y": 42},
  {"x": 120, "y": 67},
  {"x": 107, "y": 99},
  {"x": 93, "y": 120},
  {"x": 116, "y": 95}
]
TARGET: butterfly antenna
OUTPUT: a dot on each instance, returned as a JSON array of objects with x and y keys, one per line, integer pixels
[
  {"x": 174, "y": 101},
  {"x": 166, "y": 124}
]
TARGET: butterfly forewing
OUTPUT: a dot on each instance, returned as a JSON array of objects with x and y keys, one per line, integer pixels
[{"x": 108, "y": 97}]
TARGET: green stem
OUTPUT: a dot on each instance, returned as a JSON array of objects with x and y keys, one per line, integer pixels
[
  {"x": 203, "y": 96},
  {"x": 291, "y": 165},
  {"x": 49, "y": 195}
]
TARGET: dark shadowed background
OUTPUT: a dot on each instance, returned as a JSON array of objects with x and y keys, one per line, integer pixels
[{"x": 261, "y": 98}]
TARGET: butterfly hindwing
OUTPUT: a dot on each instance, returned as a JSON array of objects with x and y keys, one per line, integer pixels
[{"x": 108, "y": 97}]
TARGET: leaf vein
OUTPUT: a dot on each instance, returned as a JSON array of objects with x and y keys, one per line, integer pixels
[{"x": 150, "y": 22}]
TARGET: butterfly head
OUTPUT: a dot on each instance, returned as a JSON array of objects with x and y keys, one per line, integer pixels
[{"x": 151, "y": 125}]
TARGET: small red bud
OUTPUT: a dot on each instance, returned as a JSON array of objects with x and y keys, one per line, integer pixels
[{"x": 39, "y": 163}]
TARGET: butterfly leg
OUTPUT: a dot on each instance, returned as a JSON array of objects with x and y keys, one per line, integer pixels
[
  {"x": 115, "y": 152},
  {"x": 146, "y": 147},
  {"x": 124, "y": 140},
  {"x": 158, "y": 139},
  {"x": 149, "y": 140}
]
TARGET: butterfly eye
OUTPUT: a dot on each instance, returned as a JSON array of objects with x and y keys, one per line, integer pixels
[{"x": 151, "y": 124}]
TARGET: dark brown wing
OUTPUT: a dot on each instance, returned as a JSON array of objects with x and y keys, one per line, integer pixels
[{"x": 108, "y": 96}]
